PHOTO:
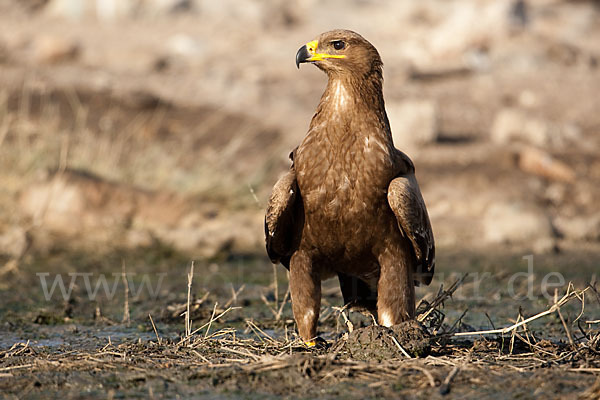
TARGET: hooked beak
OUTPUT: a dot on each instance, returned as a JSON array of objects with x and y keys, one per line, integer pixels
[
  {"x": 302, "y": 56},
  {"x": 308, "y": 53}
]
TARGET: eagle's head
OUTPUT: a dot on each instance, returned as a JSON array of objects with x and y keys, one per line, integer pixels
[{"x": 341, "y": 52}]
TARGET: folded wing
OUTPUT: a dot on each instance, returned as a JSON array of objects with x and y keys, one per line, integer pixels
[
  {"x": 283, "y": 220},
  {"x": 406, "y": 201}
]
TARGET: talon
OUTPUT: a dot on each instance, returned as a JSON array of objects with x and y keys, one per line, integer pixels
[{"x": 317, "y": 342}]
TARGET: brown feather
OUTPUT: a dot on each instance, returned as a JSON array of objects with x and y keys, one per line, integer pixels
[
  {"x": 282, "y": 219},
  {"x": 350, "y": 205},
  {"x": 406, "y": 201}
]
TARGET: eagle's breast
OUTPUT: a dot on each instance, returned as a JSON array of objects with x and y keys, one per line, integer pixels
[{"x": 343, "y": 170}]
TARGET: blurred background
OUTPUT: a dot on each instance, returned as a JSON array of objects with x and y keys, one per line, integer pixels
[{"x": 163, "y": 124}]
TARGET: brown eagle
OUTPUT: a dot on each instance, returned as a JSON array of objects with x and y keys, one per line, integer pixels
[{"x": 350, "y": 204}]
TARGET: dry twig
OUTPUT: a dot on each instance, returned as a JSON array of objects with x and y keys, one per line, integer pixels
[{"x": 570, "y": 294}]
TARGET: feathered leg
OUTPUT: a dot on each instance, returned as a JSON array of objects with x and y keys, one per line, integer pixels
[
  {"x": 305, "y": 288},
  {"x": 395, "y": 289}
]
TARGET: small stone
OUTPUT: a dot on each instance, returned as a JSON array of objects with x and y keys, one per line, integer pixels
[
  {"x": 54, "y": 49},
  {"x": 183, "y": 45},
  {"x": 541, "y": 163}
]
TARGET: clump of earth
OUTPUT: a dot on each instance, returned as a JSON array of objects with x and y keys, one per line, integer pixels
[{"x": 380, "y": 343}]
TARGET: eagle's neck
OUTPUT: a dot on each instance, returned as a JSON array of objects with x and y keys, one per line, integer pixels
[{"x": 349, "y": 100}]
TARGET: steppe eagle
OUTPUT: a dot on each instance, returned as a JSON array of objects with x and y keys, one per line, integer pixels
[{"x": 350, "y": 205}]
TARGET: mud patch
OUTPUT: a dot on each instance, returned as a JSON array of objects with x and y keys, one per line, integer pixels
[{"x": 382, "y": 343}]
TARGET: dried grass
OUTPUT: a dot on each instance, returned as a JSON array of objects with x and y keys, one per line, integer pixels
[{"x": 207, "y": 351}]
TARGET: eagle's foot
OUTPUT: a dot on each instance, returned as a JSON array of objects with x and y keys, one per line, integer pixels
[{"x": 316, "y": 343}]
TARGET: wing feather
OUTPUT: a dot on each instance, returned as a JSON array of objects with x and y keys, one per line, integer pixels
[
  {"x": 406, "y": 201},
  {"x": 283, "y": 219}
]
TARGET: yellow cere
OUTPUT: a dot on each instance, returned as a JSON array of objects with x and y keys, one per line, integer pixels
[
  {"x": 312, "y": 50},
  {"x": 311, "y": 343}
]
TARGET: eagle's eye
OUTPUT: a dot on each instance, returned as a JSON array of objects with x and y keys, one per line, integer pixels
[{"x": 338, "y": 44}]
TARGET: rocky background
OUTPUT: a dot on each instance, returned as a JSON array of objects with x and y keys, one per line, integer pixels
[{"x": 130, "y": 123}]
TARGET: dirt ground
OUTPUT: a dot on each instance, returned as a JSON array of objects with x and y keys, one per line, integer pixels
[
  {"x": 136, "y": 137},
  {"x": 82, "y": 347}
]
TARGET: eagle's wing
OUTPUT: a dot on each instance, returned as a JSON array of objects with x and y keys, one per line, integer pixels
[
  {"x": 404, "y": 197},
  {"x": 283, "y": 220}
]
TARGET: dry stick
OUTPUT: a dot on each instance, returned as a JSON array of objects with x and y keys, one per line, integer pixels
[
  {"x": 528, "y": 341},
  {"x": 242, "y": 353},
  {"x": 221, "y": 332},
  {"x": 126, "y": 318},
  {"x": 564, "y": 324},
  {"x": 568, "y": 296},
  {"x": 489, "y": 319},
  {"x": 155, "y": 330},
  {"x": 254, "y": 197},
  {"x": 211, "y": 320},
  {"x": 214, "y": 319},
  {"x": 22, "y": 349},
  {"x": 16, "y": 367},
  {"x": 441, "y": 297},
  {"x": 255, "y": 332},
  {"x": 326, "y": 314},
  {"x": 348, "y": 323},
  {"x": 285, "y": 298},
  {"x": 459, "y": 320},
  {"x": 583, "y": 369},
  {"x": 12, "y": 352},
  {"x": 188, "y": 325},
  {"x": 255, "y": 328},
  {"x": 528, "y": 332},
  {"x": 263, "y": 332},
  {"x": 445, "y": 386},
  {"x": 205, "y": 325},
  {"x": 264, "y": 299},
  {"x": 234, "y": 295},
  {"x": 400, "y": 347},
  {"x": 512, "y": 337},
  {"x": 200, "y": 356},
  {"x": 593, "y": 322},
  {"x": 534, "y": 346},
  {"x": 426, "y": 373}
]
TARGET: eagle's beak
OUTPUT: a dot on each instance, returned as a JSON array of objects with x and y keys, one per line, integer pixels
[
  {"x": 302, "y": 56},
  {"x": 308, "y": 53}
]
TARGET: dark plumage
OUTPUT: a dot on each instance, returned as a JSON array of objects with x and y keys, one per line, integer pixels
[{"x": 350, "y": 205}]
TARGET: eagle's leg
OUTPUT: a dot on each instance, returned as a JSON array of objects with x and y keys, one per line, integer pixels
[
  {"x": 395, "y": 289},
  {"x": 305, "y": 288}
]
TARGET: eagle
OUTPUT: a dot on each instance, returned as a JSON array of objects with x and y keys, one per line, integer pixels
[{"x": 350, "y": 205}]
